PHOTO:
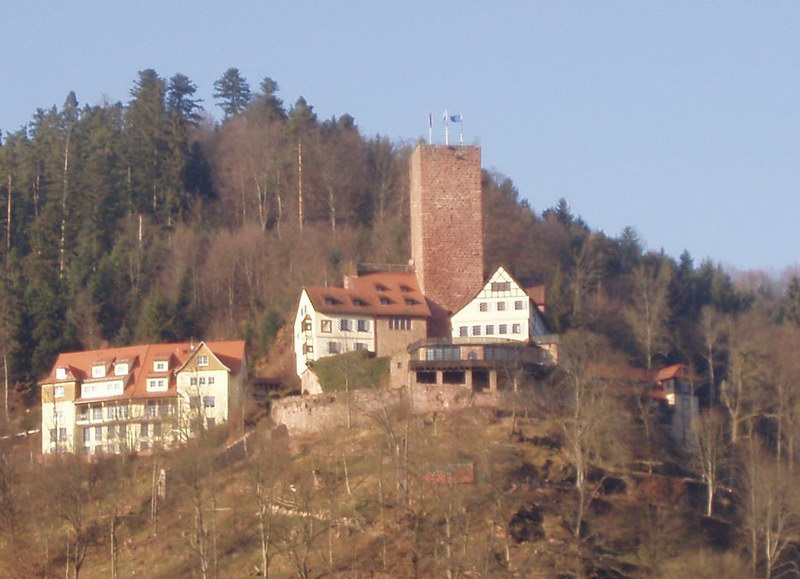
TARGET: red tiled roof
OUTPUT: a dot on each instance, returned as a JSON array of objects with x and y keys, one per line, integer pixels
[
  {"x": 630, "y": 373},
  {"x": 674, "y": 371},
  {"x": 392, "y": 293},
  {"x": 140, "y": 359}
]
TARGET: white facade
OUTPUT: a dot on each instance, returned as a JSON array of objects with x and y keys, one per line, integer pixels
[
  {"x": 502, "y": 310},
  {"x": 317, "y": 335},
  {"x": 158, "y": 395}
]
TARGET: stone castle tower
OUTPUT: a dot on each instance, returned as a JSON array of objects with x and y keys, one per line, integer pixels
[{"x": 447, "y": 223}]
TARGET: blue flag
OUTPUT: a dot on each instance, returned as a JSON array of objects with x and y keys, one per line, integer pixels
[{"x": 456, "y": 119}]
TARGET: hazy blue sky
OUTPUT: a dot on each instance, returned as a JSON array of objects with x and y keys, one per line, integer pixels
[{"x": 681, "y": 119}]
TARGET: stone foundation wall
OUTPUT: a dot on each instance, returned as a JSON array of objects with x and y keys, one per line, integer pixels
[{"x": 318, "y": 413}]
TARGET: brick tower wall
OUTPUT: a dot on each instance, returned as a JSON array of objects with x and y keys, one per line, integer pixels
[{"x": 447, "y": 223}]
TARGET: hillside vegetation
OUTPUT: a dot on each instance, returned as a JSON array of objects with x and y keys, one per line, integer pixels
[
  {"x": 147, "y": 221},
  {"x": 393, "y": 499}
]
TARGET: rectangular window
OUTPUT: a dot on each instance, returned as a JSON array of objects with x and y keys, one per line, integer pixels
[
  {"x": 111, "y": 412},
  {"x": 58, "y": 392},
  {"x": 152, "y": 408},
  {"x": 325, "y": 326},
  {"x": 202, "y": 360},
  {"x": 194, "y": 402},
  {"x": 519, "y": 305},
  {"x": 87, "y": 434},
  {"x": 516, "y": 329},
  {"x": 483, "y": 306},
  {"x": 363, "y": 325},
  {"x": 97, "y": 413},
  {"x": 361, "y": 346},
  {"x": 160, "y": 366},
  {"x": 307, "y": 326},
  {"x": 144, "y": 430},
  {"x": 112, "y": 434},
  {"x": 202, "y": 380},
  {"x": 501, "y": 306},
  {"x": 193, "y": 381},
  {"x": 476, "y": 330},
  {"x": 438, "y": 353},
  {"x": 345, "y": 326},
  {"x": 98, "y": 433},
  {"x": 399, "y": 323},
  {"x": 123, "y": 430},
  {"x": 209, "y": 401},
  {"x": 501, "y": 286},
  {"x": 83, "y": 413},
  {"x": 211, "y": 379},
  {"x": 334, "y": 347},
  {"x": 489, "y": 330},
  {"x": 503, "y": 329},
  {"x": 62, "y": 434},
  {"x": 308, "y": 348},
  {"x": 463, "y": 331},
  {"x": 53, "y": 434}
]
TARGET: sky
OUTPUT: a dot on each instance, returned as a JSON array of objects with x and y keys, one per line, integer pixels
[{"x": 680, "y": 119}]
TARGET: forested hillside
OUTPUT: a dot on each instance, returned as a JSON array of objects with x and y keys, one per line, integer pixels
[{"x": 147, "y": 220}]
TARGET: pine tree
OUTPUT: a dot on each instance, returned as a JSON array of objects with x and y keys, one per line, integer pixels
[{"x": 234, "y": 92}]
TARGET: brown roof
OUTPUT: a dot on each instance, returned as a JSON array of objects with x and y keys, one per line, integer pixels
[
  {"x": 394, "y": 293},
  {"x": 140, "y": 359},
  {"x": 537, "y": 294}
]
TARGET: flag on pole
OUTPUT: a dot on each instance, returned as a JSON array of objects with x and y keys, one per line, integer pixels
[{"x": 456, "y": 119}]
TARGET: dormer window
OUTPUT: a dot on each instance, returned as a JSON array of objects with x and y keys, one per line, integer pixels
[
  {"x": 410, "y": 302},
  {"x": 405, "y": 289},
  {"x": 121, "y": 368},
  {"x": 386, "y": 301},
  {"x": 381, "y": 288},
  {"x": 61, "y": 373},
  {"x": 359, "y": 302},
  {"x": 160, "y": 366},
  {"x": 157, "y": 385},
  {"x": 202, "y": 360},
  {"x": 331, "y": 301},
  {"x": 99, "y": 371}
]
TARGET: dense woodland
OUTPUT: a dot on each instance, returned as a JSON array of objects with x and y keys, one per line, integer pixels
[{"x": 149, "y": 221}]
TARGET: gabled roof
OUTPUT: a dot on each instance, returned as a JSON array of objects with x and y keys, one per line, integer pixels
[
  {"x": 140, "y": 360},
  {"x": 394, "y": 293},
  {"x": 500, "y": 275},
  {"x": 674, "y": 371}
]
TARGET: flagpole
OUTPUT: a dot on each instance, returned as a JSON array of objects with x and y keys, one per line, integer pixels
[
  {"x": 446, "y": 129},
  {"x": 430, "y": 128},
  {"x": 460, "y": 129}
]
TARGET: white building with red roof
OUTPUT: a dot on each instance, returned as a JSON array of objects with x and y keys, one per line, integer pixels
[
  {"x": 139, "y": 397},
  {"x": 502, "y": 310},
  {"x": 379, "y": 312}
]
